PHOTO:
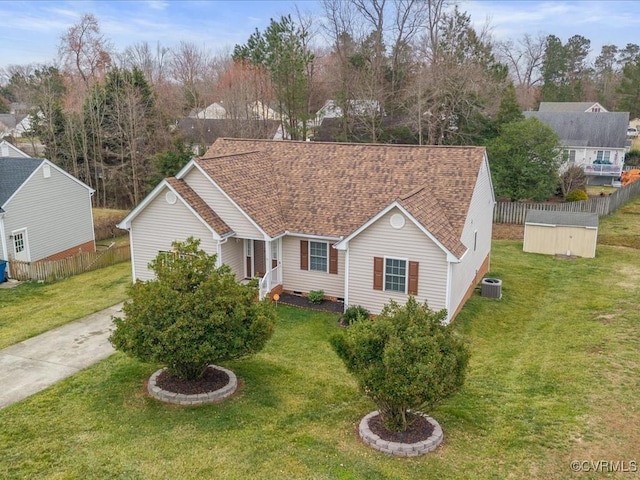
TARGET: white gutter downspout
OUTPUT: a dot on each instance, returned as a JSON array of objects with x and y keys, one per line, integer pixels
[
  {"x": 448, "y": 296},
  {"x": 346, "y": 277},
  {"x": 219, "y": 251},
  {"x": 5, "y": 253}
]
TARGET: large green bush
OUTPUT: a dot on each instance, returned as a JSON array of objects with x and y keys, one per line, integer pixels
[
  {"x": 192, "y": 314},
  {"x": 406, "y": 358}
]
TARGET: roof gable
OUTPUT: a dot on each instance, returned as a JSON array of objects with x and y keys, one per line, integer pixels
[
  {"x": 570, "y": 107},
  {"x": 199, "y": 206},
  {"x": 332, "y": 189},
  {"x": 13, "y": 173},
  {"x": 9, "y": 150},
  {"x": 581, "y": 129}
]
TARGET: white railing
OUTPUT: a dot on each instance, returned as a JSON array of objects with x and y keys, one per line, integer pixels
[
  {"x": 603, "y": 169},
  {"x": 271, "y": 279}
]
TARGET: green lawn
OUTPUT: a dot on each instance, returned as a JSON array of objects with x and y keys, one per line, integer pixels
[
  {"x": 33, "y": 308},
  {"x": 554, "y": 376}
]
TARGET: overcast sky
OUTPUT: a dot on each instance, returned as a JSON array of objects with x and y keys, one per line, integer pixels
[{"x": 32, "y": 29}]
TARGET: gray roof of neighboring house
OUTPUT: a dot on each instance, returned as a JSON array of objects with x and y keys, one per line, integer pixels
[
  {"x": 13, "y": 173},
  {"x": 587, "y": 129},
  {"x": 566, "y": 219},
  {"x": 565, "y": 106}
]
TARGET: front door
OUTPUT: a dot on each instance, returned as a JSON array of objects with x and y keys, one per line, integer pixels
[
  {"x": 20, "y": 245},
  {"x": 259, "y": 258}
]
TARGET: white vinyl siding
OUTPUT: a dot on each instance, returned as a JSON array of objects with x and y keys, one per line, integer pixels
[
  {"x": 408, "y": 242},
  {"x": 220, "y": 204},
  {"x": 56, "y": 211},
  {"x": 232, "y": 255},
  {"x": 158, "y": 225},
  {"x": 476, "y": 233},
  {"x": 297, "y": 280}
]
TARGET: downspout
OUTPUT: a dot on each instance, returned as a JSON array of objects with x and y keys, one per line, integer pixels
[
  {"x": 448, "y": 296},
  {"x": 346, "y": 277},
  {"x": 219, "y": 251},
  {"x": 5, "y": 253}
]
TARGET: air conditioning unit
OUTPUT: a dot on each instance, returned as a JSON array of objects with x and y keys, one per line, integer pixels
[{"x": 491, "y": 288}]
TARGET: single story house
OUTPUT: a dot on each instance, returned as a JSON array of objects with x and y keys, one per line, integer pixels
[
  {"x": 561, "y": 233},
  {"x": 45, "y": 213},
  {"x": 595, "y": 141},
  {"x": 364, "y": 223}
]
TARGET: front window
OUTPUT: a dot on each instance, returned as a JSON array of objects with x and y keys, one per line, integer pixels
[
  {"x": 395, "y": 275},
  {"x": 318, "y": 256},
  {"x": 603, "y": 157}
]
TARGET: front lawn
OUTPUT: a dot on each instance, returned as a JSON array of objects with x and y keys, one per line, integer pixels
[
  {"x": 554, "y": 377},
  {"x": 32, "y": 308}
]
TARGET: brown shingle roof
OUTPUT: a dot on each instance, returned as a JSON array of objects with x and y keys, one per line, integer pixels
[
  {"x": 331, "y": 189},
  {"x": 199, "y": 205}
]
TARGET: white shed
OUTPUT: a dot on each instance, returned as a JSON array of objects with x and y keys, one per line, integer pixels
[{"x": 561, "y": 233}]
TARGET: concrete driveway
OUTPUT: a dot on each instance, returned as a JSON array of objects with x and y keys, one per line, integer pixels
[{"x": 31, "y": 366}]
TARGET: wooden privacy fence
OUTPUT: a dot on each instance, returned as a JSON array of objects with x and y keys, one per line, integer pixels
[
  {"x": 515, "y": 212},
  {"x": 49, "y": 270}
]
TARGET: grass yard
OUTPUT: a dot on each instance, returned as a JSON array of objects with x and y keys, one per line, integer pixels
[
  {"x": 554, "y": 377},
  {"x": 33, "y": 308}
]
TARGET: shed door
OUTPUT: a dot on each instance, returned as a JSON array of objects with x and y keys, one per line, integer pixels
[{"x": 20, "y": 245}]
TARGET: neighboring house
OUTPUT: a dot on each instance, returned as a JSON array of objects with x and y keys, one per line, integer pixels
[
  {"x": 252, "y": 111},
  {"x": 590, "y": 107},
  {"x": 14, "y": 125},
  {"x": 9, "y": 150},
  {"x": 45, "y": 213},
  {"x": 203, "y": 132},
  {"x": 597, "y": 142},
  {"x": 364, "y": 223}
]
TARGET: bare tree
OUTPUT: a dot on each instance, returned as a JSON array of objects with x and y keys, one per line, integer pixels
[
  {"x": 524, "y": 58},
  {"x": 84, "y": 50},
  {"x": 189, "y": 66}
]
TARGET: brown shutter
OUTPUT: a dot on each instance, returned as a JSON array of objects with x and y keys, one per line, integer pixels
[
  {"x": 333, "y": 259},
  {"x": 304, "y": 255},
  {"x": 378, "y": 273},
  {"x": 413, "y": 278}
]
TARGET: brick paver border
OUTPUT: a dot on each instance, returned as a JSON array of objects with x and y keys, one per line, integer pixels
[
  {"x": 401, "y": 449},
  {"x": 197, "y": 399}
]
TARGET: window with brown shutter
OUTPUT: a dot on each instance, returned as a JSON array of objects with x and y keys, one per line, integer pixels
[
  {"x": 304, "y": 255},
  {"x": 378, "y": 273},
  {"x": 413, "y": 278},
  {"x": 333, "y": 259}
]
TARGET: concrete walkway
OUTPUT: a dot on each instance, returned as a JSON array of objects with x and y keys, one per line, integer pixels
[{"x": 31, "y": 366}]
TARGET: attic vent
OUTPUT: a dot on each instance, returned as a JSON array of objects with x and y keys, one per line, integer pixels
[
  {"x": 46, "y": 171},
  {"x": 170, "y": 197},
  {"x": 396, "y": 221},
  {"x": 492, "y": 288}
]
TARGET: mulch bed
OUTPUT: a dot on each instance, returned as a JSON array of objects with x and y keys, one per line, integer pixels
[
  {"x": 419, "y": 429},
  {"x": 300, "y": 301},
  {"x": 212, "y": 380}
]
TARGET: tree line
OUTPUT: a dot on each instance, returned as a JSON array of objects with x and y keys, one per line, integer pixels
[{"x": 397, "y": 71}]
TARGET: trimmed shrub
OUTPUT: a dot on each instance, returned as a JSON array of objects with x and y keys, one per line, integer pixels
[
  {"x": 354, "y": 313},
  {"x": 192, "y": 315},
  {"x": 576, "y": 196},
  {"x": 316, "y": 297},
  {"x": 406, "y": 358}
]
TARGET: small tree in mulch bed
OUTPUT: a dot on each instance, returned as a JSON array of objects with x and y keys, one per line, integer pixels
[
  {"x": 192, "y": 314},
  {"x": 405, "y": 359}
]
